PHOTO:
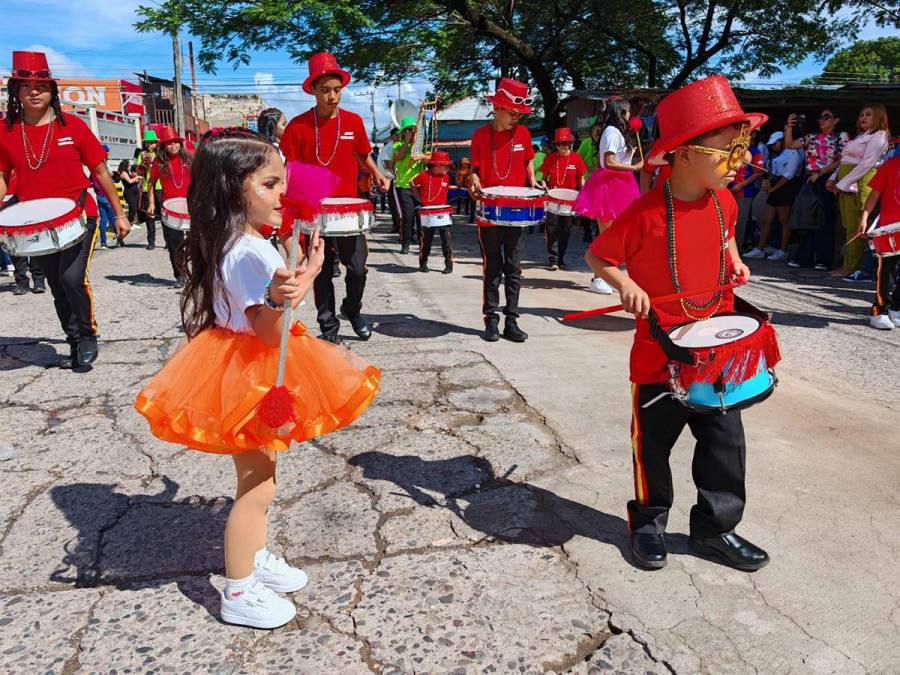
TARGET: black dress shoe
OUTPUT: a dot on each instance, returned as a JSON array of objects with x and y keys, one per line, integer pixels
[
  {"x": 491, "y": 328},
  {"x": 39, "y": 287},
  {"x": 448, "y": 267},
  {"x": 359, "y": 323},
  {"x": 87, "y": 351},
  {"x": 733, "y": 550},
  {"x": 512, "y": 332},
  {"x": 648, "y": 550},
  {"x": 71, "y": 361},
  {"x": 333, "y": 338},
  {"x": 423, "y": 267},
  {"x": 21, "y": 289},
  {"x": 404, "y": 249},
  {"x": 151, "y": 247}
]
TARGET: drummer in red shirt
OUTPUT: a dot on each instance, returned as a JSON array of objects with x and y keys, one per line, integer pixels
[
  {"x": 502, "y": 155},
  {"x": 172, "y": 168},
  {"x": 48, "y": 150},
  {"x": 430, "y": 188},
  {"x": 680, "y": 237},
  {"x": 565, "y": 169},
  {"x": 885, "y": 186},
  {"x": 328, "y": 136}
]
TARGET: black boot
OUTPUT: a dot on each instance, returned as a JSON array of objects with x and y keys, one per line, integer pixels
[
  {"x": 21, "y": 289},
  {"x": 448, "y": 267},
  {"x": 512, "y": 332},
  {"x": 87, "y": 350},
  {"x": 423, "y": 266},
  {"x": 491, "y": 328},
  {"x": 39, "y": 286},
  {"x": 731, "y": 550},
  {"x": 404, "y": 249},
  {"x": 648, "y": 550},
  {"x": 333, "y": 338}
]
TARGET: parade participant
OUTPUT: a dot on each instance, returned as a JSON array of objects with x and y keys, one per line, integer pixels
[
  {"x": 406, "y": 167},
  {"x": 171, "y": 169},
  {"x": 145, "y": 161},
  {"x": 325, "y": 135},
  {"x": 561, "y": 169},
  {"x": 48, "y": 150},
  {"x": 502, "y": 155},
  {"x": 385, "y": 157},
  {"x": 464, "y": 204},
  {"x": 587, "y": 150},
  {"x": 271, "y": 124},
  {"x": 232, "y": 312},
  {"x": 612, "y": 187},
  {"x": 430, "y": 189},
  {"x": 885, "y": 187},
  {"x": 673, "y": 239}
]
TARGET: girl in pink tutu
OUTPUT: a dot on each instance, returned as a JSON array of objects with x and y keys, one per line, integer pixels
[{"x": 612, "y": 187}]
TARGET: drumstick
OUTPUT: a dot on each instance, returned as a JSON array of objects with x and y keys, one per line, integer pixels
[{"x": 576, "y": 316}]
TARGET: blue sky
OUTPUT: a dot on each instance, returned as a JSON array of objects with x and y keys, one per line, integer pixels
[{"x": 96, "y": 38}]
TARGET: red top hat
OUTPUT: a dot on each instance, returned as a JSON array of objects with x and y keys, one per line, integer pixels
[
  {"x": 30, "y": 66},
  {"x": 696, "y": 109},
  {"x": 563, "y": 135},
  {"x": 324, "y": 63},
  {"x": 169, "y": 135},
  {"x": 441, "y": 158},
  {"x": 512, "y": 95}
]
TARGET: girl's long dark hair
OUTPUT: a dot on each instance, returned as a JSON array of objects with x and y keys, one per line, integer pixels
[
  {"x": 218, "y": 216},
  {"x": 268, "y": 122},
  {"x": 614, "y": 116},
  {"x": 14, "y": 106},
  {"x": 163, "y": 160}
]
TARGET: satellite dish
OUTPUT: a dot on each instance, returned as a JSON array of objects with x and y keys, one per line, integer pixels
[{"x": 400, "y": 109}]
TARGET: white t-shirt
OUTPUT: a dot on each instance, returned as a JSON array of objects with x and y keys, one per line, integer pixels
[
  {"x": 613, "y": 141},
  {"x": 788, "y": 164},
  {"x": 385, "y": 155},
  {"x": 246, "y": 269}
]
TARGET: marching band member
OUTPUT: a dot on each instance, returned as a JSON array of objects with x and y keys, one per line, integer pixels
[
  {"x": 683, "y": 234},
  {"x": 502, "y": 155},
  {"x": 406, "y": 167},
  {"x": 562, "y": 168},
  {"x": 48, "y": 151},
  {"x": 885, "y": 187},
  {"x": 430, "y": 189},
  {"x": 172, "y": 170},
  {"x": 145, "y": 160},
  {"x": 328, "y": 136}
]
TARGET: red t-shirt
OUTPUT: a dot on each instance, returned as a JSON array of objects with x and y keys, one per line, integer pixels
[
  {"x": 501, "y": 157},
  {"x": 432, "y": 188},
  {"x": 562, "y": 172},
  {"x": 339, "y": 155},
  {"x": 638, "y": 239},
  {"x": 175, "y": 181},
  {"x": 665, "y": 172},
  {"x": 71, "y": 148},
  {"x": 887, "y": 181}
]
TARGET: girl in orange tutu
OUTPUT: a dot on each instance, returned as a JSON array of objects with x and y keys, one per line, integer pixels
[{"x": 207, "y": 396}]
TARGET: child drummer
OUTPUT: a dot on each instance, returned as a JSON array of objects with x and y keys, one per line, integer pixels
[
  {"x": 430, "y": 189},
  {"x": 675, "y": 238},
  {"x": 885, "y": 186},
  {"x": 502, "y": 155},
  {"x": 562, "y": 168}
]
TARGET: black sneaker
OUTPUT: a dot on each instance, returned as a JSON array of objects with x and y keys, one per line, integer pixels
[
  {"x": 333, "y": 338},
  {"x": 21, "y": 289},
  {"x": 404, "y": 249},
  {"x": 448, "y": 267},
  {"x": 512, "y": 332},
  {"x": 491, "y": 328},
  {"x": 39, "y": 287},
  {"x": 151, "y": 247},
  {"x": 423, "y": 266}
]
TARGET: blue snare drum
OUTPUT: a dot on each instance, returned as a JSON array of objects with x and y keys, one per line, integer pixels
[{"x": 510, "y": 206}]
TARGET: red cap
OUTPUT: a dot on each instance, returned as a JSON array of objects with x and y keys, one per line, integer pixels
[
  {"x": 168, "y": 135},
  {"x": 696, "y": 109},
  {"x": 563, "y": 135},
  {"x": 30, "y": 66},
  {"x": 512, "y": 95},
  {"x": 440, "y": 157},
  {"x": 324, "y": 63}
]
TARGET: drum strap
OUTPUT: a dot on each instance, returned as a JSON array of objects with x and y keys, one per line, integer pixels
[
  {"x": 82, "y": 198},
  {"x": 671, "y": 350},
  {"x": 9, "y": 202}
]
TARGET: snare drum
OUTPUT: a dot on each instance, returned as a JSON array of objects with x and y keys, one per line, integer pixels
[
  {"x": 341, "y": 217},
  {"x": 41, "y": 226},
  {"x": 435, "y": 216},
  {"x": 885, "y": 240},
  {"x": 510, "y": 206},
  {"x": 734, "y": 356},
  {"x": 561, "y": 201},
  {"x": 175, "y": 214}
]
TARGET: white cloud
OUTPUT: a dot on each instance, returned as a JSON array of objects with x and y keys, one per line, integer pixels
[{"x": 61, "y": 65}]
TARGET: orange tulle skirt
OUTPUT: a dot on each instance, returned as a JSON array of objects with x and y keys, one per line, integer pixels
[{"x": 206, "y": 397}]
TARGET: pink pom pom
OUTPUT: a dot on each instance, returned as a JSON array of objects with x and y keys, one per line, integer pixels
[
  {"x": 277, "y": 407},
  {"x": 635, "y": 123},
  {"x": 306, "y": 186}
]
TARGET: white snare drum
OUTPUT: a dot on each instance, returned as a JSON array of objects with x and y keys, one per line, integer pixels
[
  {"x": 175, "y": 214},
  {"x": 41, "y": 226},
  {"x": 561, "y": 201},
  {"x": 885, "y": 240},
  {"x": 510, "y": 206},
  {"x": 436, "y": 216},
  {"x": 341, "y": 217}
]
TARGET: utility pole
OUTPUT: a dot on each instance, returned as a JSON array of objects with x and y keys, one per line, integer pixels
[
  {"x": 179, "y": 112},
  {"x": 372, "y": 108},
  {"x": 193, "y": 80}
]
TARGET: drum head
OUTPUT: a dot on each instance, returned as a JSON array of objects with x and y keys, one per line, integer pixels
[
  {"x": 37, "y": 211},
  {"x": 176, "y": 205},
  {"x": 715, "y": 331},
  {"x": 508, "y": 191},
  {"x": 343, "y": 201},
  {"x": 438, "y": 207},
  {"x": 884, "y": 229},
  {"x": 563, "y": 194}
]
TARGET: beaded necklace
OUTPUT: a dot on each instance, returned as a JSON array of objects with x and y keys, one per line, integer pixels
[
  {"x": 33, "y": 160},
  {"x": 494, "y": 154},
  {"x": 337, "y": 137},
  {"x": 559, "y": 180},
  {"x": 687, "y": 305},
  {"x": 177, "y": 183},
  {"x": 430, "y": 196}
]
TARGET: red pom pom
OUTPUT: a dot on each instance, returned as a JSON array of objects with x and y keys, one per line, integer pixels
[
  {"x": 635, "y": 123},
  {"x": 277, "y": 407}
]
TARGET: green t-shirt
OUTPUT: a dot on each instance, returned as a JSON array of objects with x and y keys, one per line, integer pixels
[
  {"x": 405, "y": 169},
  {"x": 588, "y": 152},
  {"x": 538, "y": 161}
]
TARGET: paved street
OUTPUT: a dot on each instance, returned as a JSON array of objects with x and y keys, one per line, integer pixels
[{"x": 473, "y": 520}]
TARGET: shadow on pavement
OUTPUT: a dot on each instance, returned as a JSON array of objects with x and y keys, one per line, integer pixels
[
  {"x": 411, "y": 326},
  {"x": 140, "y": 280},
  {"x": 29, "y": 351}
]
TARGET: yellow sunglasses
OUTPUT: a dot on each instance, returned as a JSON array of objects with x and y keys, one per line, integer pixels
[{"x": 733, "y": 154}]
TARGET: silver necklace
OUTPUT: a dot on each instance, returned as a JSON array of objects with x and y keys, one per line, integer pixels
[
  {"x": 33, "y": 160},
  {"x": 337, "y": 137}
]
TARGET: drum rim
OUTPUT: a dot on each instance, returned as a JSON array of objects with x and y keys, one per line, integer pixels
[
  {"x": 881, "y": 230},
  {"x": 669, "y": 331},
  {"x": 52, "y": 224},
  {"x": 746, "y": 403}
]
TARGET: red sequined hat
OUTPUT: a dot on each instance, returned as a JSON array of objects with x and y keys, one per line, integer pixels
[
  {"x": 512, "y": 95},
  {"x": 30, "y": 66},
  {"x": 563, "y": 135},
  {"x": 324, "y": 63},
  {"x": 168, "y": 135},
  {"x": 696, "y": 109},
  {"x": 440, "y": 157}
]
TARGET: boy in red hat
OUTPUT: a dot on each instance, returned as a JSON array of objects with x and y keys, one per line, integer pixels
[
  {"x": 565, "y": 169},
  {"x": 430, "y": 189},
  {"x": 675, "y": 238},
  {"x": 328, "y": 136},
  {"x": 502, "y": 155},
  {"x": 172, "y": 168},
  {"x": 48, "y": 150}
]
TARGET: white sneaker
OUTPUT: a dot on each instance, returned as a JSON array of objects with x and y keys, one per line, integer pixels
[
  {"x": 601, "y": 287},
  {"x": 754, "y": 253},
  {"x": 881, "y": 322},
  {"x": 895, "y": 317},
  {"x": 257, "y": 607},
  {"x": 276, "y": 574},
  {"x": 769, "y": 250},
  {"x": 778, "y": 256},
  {"x": 11, "y": 268}
]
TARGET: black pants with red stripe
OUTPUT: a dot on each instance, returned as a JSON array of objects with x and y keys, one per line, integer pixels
[
  {"x": 887, "y": 285},
  {"x": 67, "y": 276},
  {"x": 718, "y": 467},
  {"x": 352, "y": 252},
  {"x": 426, "y": 237},
  {"x": 501, "y": 249},
  {"x": 557, "y": 236},
  {"x": 409, "y": 225}
]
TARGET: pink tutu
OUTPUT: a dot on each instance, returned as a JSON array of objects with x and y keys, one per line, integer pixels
[{"x": 606, "y": 194}]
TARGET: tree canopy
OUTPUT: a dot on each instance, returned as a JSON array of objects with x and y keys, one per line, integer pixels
[{"x": 864, "y": 61}]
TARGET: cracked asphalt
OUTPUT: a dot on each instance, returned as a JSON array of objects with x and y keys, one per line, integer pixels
[{"x": 472, "y": 521}]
